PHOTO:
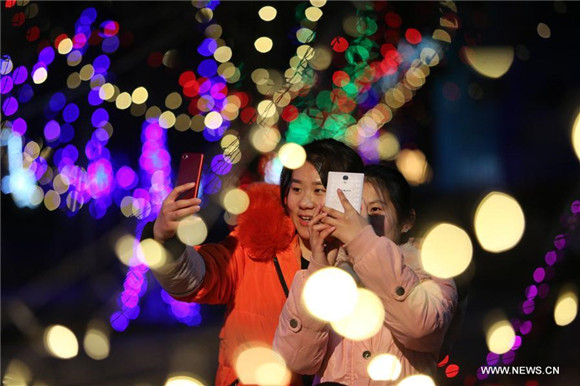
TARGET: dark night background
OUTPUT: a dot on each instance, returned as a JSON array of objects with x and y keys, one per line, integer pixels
[{"x": 510, "y": 134}]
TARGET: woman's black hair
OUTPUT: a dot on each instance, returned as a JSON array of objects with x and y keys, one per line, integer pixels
[
  {"x": 387, "y": 178},
  {"x": 325, "y": 155}
]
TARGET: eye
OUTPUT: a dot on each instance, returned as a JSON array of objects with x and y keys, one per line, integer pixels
[
  {"x": 376, "y": 209},
  {"x": 295, "y": 189},
  {"x": 320, "y": 191}
]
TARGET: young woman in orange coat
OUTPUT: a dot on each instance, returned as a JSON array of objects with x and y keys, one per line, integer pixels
[{"x": 250, "y": 271}]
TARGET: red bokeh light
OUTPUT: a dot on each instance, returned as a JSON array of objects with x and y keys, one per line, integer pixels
[
  {"x": 339, "y": 44},
  {"x": 393, "y": 20},
  {"x": 413, "y": 36}
]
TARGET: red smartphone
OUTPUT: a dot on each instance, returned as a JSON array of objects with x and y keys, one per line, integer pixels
[{"x": 189, "y": 171}]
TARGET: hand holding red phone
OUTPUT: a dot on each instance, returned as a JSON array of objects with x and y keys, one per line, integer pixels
[{"x": 172, "y": 211}]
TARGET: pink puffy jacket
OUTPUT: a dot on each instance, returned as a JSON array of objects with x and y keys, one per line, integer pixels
[{"x": 418, "y": 310}]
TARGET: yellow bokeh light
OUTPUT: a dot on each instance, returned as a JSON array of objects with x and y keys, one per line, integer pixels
[
  {"x": 388, "y": 146},
  {"x": 500, "y": 337},
  {"x": 313, "y": 13},
  {"x": 266, "y": 108},
  {"x": 74, "y": 58},
  {"x": 263, "y": 44},
  {"x": 330, "y": 294},
  {"x": 87, "y": 72},
  {"x": 260, "y": 76},
  {"x": 124, "y": 249},
  {"x": 192, "y": 230},
  {"x": 365, "y": 320},
  {"x": 492, "y": 62},
  {"x": 417, "y": 380},
  {"x": 265, "y": 139},
  {"x": 167, "y": 119},
  {"x": 40, "y": 75},
  {"x": 292, "y": 155},
  {"x": 267, "y": 13},
  {"x": 182, "y": 122},
  {"x": 183, "y": 380},
  {"x": 140, "y": 95},
  {"x": 544, "y": 31},
  {"x": 60, "y": 183},
  {"x": 384, "y": 367},
  {"x": 214, "y": 31},
  {"x": 106, "y": 91},
  {"x": 96, "y": 344},
  {"x": 60, "y": 342},
  {"x": 37, "y": 195},
  {"x": 236, "y": 201},
  {"x": 442, "y": 35},
  {"x": 413, "y": 165},
  {"x": 213, "y": 120},
  {"x": 318, "y": 3},
  {"x": 123, "y": 101},
  {"x": 499, "y": 222},
  {"x": 429, "y": 57},
  {"x": 367, "y": 126},
  {"x": 72, "y": 81},
  {"x": 322, "y": 58},
  {"x": 223, "y": 54},
  {"x": 204, "y": 15},
  {"x": 394, "y": 98},
  {"x": 51, "y": 200},
  {"x": 566, "y": 308},
  {"x": 446, "y": 251},
  {"x": 576, "y": 136},
  {"x": 17, "y": 373},
  {"x": 173, "y": 100},
  {"x": 65, "y": 46},
  {"x": 261, "y": 365},
  {"x": 198, "y": 123},
  {"x": 152, "y": 254},
  {"x": 305, "y": 52},
  {"x": 32, "y": 149}
]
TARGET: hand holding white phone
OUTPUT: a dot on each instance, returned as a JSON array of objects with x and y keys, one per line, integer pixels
[{"x": 351, "y": 185}]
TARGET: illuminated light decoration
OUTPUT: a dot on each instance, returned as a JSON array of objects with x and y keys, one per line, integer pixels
[
  {"x": 19, "y": 126},
  {"x": 206, "y": 48},
  {"x": 330, "y": 294},
  {"x": 51, "y": 131},
  {"x": 183, "y": 380},
  {"x": 365, "y": 320},
  {"x": 413, "y": 36},
  {"x": 500, "y": 337},
  {"x": 566, "y": 308},
  {"x": 110, "y": 44},
  {"x": 192, "y": 230},
  {"x": 155, "y": 59},
  {"x": 263, "y": 44},
  {"x": 204, "y": 15},
  {"x": 207, "y": 68},
  {"x": 6, "y": 84},
  {"x": 96, "y": 343},
  {"x": 139, "y": 95},
  {"x": 452, "y": 371},
  {"x": 491, "y": 62},
  {"x": 267, "y": 13},
  {"x": 446, "y": 251},
  {"x": 236, "y": 201},
  {"x": 19, "y": 75},
  {"x": 313, "y": 13},
  {"x": 46, "y": 55},
  {"x": 123, "y": 101},
  {"x": 384, "y": 367},
  {"x": 6, "y": 65},
  {"x": 318, "y": 3},
  {"x": 417, "y": 380},
  {"x": 79, "y": 41},
  {"x": 57, "y": 101},
  {"x": 101, "y": 64},
  {"x": 393, "y": 20},
  {"x": 223, "y": 54},
  {"x": 260, "y": 365},
  {"x": 543, "y": 30},
  {"x": 108, "y": 28},
  {"x": 99, "y": 118},
  {"x": 220, "y": 166},
  {"x": 499, "y": 222},
  {"x": 64, "y": 46},
  {"x": 70, "y": 113},
  {"x": 39, "y": 75},
  {"x": 73, "y": 80},
  {"x": 576, "y": 136},
  {"x": 61, "y": 342}
]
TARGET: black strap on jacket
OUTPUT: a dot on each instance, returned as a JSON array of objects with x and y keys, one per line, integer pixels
[{"x": 281, "y": 276}]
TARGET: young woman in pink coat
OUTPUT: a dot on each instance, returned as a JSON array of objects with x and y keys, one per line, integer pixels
[{"x": 418, "y": 307}]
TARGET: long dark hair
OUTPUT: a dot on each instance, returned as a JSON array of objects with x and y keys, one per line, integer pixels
[{"x": 325, "y": 155}]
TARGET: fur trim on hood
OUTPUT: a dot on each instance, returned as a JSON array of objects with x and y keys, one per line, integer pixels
[{"x": 264, "y": 229}]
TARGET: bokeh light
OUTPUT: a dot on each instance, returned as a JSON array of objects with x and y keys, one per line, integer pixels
[
  {"x": 267, "y": 13},
  {"x": 17, "y": 373},
  {"x": 236, "y": 201},
  {"x": 366, "y": 318},
  {"x": 499, "y": 222},
  {"x": 96, "y": 343},
  {"x": 192, "y": 230},
  {"x": 446, "y": 251},
  {"x": 261, "y": 365},
  {"x": 61, "y": 342},
  {"x": 384, "y": 367},
  {"x": 417, "y": 380},
  {"x": 183, "y": 380},
  {"x": 543, "y": 30},
  {"x": 330, "y": 294},
  {"x": 566, "y": 308},
  {"x": 576, "y": 136},
  {"x": 413, "y": 165},
  {"x": 292, "y": 155},
  {"x": 263, "y": 44},
  {"x": 152, "y": 254},
  {"x": 500, "y": 337},
  {"x": 492, "y": 62}
]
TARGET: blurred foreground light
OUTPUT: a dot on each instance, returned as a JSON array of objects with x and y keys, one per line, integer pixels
[
  {"x": 366, "y": 318},
  {"x": 292, "y": 155},
  {"x": 123, "y": 101},
  {"x": 413, "y": 165},
  {"x": 500, "y": 337},
  {"x": 576, "y": 136},
  {"x": 96, "y": 343},
  {"x": 263, "y": 44},
  {"x": 384, "y": 367},
  {"x": 417, "y": 380},
  {"x": 140, "y": 95},
  {"x": 330, "y": 294},
  {"x": 388, "y": 146},
  {"x": 492, "y": 62},
  {"x": 267, "y": 13},
  {"x": 236, "y": 201},
  {"x": 544, "y": 31},
  {"x": 265, "y": 139},
  {"x": 40, "y": 75},
  {"x": 65, "y": 46},
  {"x": 124, "y": 248},
  {"x": 499, "y": 222},
  {"x": 313, "y": 13},
  {"x": 16, "y": 374},
  {"x": 446, "y": 251},
  {"x": 60, "y": 342},
  {"x": 182, "y": 380},
  {"x": 213, "y": 120},
  {"x": 192, "y": 230},
  {"x": 566, "y": 306},
  {"x": 262, "y": 366},
  {"x": 152, "y": 253}
]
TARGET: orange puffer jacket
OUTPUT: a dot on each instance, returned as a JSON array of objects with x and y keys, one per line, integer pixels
[{"x": 240, "y": 272}]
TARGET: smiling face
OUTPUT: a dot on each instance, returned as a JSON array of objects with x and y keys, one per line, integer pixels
[
  {"x": 306, "y": 191},
  {"x": 382, "y": 213}
]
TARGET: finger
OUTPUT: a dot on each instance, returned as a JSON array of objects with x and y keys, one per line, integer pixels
[
  {"x": 182, "y": 213},
  {"x": 180, "y": 189},
  {"x": 324, "y": 234},
  {"x": 344, "y": 201},
  {"x": 179, "y": 204},
  {"x": 320, "y": 227},
  {"x": 364, "y": 210},
  {"x": 317, "y": 210},
  {"x": 318, "y": 219},
  {"x": 332, "y": 212}
]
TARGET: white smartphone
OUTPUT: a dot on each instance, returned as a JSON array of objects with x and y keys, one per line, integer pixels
[{"x": 352, "y": 186}]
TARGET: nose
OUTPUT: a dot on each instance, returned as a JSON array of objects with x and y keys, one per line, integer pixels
[{"x": 307, "y": 202}]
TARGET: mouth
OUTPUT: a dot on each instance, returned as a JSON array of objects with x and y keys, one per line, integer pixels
[{"x": 304, "y": 220}]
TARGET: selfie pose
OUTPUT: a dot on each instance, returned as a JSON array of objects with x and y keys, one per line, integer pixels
[
  {"x": 418, "y": 307},
  {"x": 250, "y": 271}
]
